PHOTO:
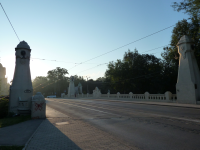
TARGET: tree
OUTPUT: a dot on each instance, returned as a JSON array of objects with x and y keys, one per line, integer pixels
[
  {"x": 183, "y": 27},
  {"x": 57, "y": 79},
  {"x": 101, "y": 79},
  {"x": 191, "y": 7},
  {"x": 136, "y": 73},
  {"x": 57, "y": 74},
  {"x": 39, "y": 83}
]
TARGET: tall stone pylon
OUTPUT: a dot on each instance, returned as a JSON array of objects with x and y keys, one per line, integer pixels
[
  {"x": 21, "y": 90},
  {"x": 71, "y": 89},
  {"x": 188, "y": 83}
]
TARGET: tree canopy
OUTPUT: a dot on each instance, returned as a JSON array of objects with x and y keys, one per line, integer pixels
[
  {"x": 191, "y": 7},
  {"x": 136, "y": 73},
  {"x": 183, "y": 27}
]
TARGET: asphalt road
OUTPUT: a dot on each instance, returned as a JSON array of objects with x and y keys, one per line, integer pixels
[{"x": 143, "y": 126}]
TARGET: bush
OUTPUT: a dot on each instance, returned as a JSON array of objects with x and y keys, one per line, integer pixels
[{"x": 4, "y": 107}]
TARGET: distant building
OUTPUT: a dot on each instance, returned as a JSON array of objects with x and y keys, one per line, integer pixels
[{"x": 4, "y": 86}]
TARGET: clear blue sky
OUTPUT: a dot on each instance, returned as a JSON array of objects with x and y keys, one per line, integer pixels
[{"x": 78, "y": 30}]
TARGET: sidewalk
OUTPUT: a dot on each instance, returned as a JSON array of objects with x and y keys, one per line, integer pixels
[
  {"x": 62, "y": 132},
  {"x": 18, "y": 134}
]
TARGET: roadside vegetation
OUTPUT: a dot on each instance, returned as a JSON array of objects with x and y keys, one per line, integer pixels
[{"x": 7, "y": 119}]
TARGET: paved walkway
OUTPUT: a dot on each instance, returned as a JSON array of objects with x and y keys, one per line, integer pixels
[
  {"x": 18, "y": 134},
  {"x": 62, "y": 132}
]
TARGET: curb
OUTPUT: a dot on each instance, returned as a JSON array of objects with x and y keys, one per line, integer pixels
[{"x": 32, "y": 136}]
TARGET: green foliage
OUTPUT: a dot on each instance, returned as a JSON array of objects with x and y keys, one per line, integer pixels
[
  {"x": 136, "y": 73},
  {"x": 3, "y": 107},
  {"x": 39, "y": 83},
  {"x": 13, "y": 120},
  {"x": 7, "y": 119},
  {"x": 58, "y": 80},
  {"x": 191, "y": 7},
  {"x": 101, "y": 79},
  {"x": 55, "y": 81},
  {"x": 183, "y": 28},
  {"x": 57, "y": 74}
]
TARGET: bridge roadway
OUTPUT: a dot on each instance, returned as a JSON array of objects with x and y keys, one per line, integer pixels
[{"x": 137, "y": 125}]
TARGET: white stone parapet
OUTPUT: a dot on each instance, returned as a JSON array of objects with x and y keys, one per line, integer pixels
[{"x": 167, "y": 97}]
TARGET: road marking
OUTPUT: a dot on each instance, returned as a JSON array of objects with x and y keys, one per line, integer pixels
[
  {"x": 62, "y": 123},
  {"x": 88, "y": 108},
  {"x": 178, "y": 118}
]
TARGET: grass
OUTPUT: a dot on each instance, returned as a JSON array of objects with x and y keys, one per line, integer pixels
[
  {"x": 11, "y": 147},
  {"x": 13, "y": 120}
]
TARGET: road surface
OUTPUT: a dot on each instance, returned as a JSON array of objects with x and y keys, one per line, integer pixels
[{"x": 143, "y": 126}]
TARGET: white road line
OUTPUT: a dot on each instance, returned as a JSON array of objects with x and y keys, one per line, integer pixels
[{"x": 89, "y": 108}]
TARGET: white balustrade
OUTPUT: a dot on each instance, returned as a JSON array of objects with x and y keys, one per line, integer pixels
[{"x": 166, "y": 97}]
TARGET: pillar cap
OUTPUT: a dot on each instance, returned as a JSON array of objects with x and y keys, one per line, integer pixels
[
  {"x": 23, "y": 45},
  {"x": 185, "y": 39},
  {"x": 38, "y": 96}
]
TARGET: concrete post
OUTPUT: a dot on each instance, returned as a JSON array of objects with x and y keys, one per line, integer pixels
[
  {"x": 118, "y": 94},
  {"x": 188, "y": 83},
  {"x": 168, "y": 95},
  {"x": 108, "y": 94},
  {"x": 130, "y": 95},
  {"x": 146, "y": 94}
]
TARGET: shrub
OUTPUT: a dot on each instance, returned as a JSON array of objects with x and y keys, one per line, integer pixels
[{"x": 3, "y": 107}]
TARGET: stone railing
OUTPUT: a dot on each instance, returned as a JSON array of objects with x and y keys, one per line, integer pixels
[{"x": 168, "y": 96}]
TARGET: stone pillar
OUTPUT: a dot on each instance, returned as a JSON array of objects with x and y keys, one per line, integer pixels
[
  {"x": 146, "y": 94},
  {"x": 188, "y": 83},
  {"x": 108, "y": 94},
  {"x": 168, "y": 95},
  {"x": 22, "y": 85},
  {"x": 62, "y": 95},
  {"x": 38, "y": 109},
  {"x": 130, "y": 95},
  {"x": 71, "y": 89},
  {"x": 118, "y": 94}
]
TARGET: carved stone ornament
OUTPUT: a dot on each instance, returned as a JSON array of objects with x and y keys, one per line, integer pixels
[{"x": 23, "y": 53}]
